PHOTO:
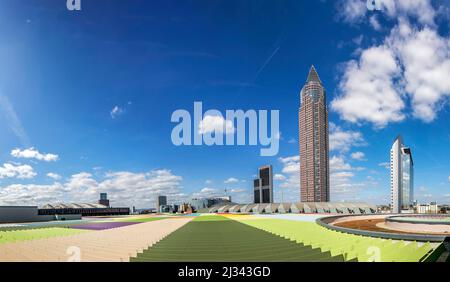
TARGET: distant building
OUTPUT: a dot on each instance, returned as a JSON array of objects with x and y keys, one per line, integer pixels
[
  {"x": 185, "y": 208},
  {"x": 146, "y": 211},
  {"x": 263, "y": 186},
  {"x": 313, "y": 141},
  {"x": 161, "y": 201},
  {"x": 20, "y": 214},
  {"x": 84, "y": 209},
  {"x": 383, "y": 209},
  {"x": 429, "y": 208},
  {"x": 104, "y": 199},
  {"x": 168, "y": 208},
  {"x": 207, "y": 202},
  {"x": 402, "y": 177}
]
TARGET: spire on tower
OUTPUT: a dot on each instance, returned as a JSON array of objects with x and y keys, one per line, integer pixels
[{"x": 313, "y": 76}]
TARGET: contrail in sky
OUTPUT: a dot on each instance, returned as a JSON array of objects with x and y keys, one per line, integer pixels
[
  {"x": 266, "y": 62},
  {"x": 13, "y": 120}
]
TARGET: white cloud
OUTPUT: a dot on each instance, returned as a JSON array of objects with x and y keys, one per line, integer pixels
[
  {"x": 18, "y": 171},
  {"x": 290, "y": 164},
  {"x": 375, "y": 23},
  {"x": 367, "y": 89},
  {"x": 31, "y": 194},
  {"x": 231, "y": 180},
  {"x": 207, "y": 190},
  {"x": 449, "y": 178},
  {"x": 32, "y": 153},
  {"x": 342, "y": 184},
  {"x": 355, "y": 11},
  {"x": 422, "y": 10},
  {"x": 123, "y": 188},
  {"x": 207, "y": 182},
  {"x": 423, "y": 189},
  {"x": 289, "y": 180},
  {"x": 216, "y": 124},
  {"x": 359, "y": 156},
  {"x": 116, "y": 111},
  {"x": 341, "y": 140},
  {"x": 425, "y": 57},
  {"x": 358, "y": 40},
  {"x": 291, "y": 171},
  {"x": 351, "y": 11},
  {"x": 279, "y": 177},
  {"x": 338, "y": 164},
  {"x": 54, "y": 176},
  {"x": 410, "y": 67},
  {"x": 386, "y": 165},
  {"x": 292, "y": 141}
]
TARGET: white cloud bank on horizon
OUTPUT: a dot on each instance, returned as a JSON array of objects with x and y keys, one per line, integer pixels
[
  {"x": 342, "y": 185},
  {"x": 123, "y": 188}
]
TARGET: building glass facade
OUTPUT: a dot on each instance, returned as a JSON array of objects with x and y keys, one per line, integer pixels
[{"x": 407, "y": 179}]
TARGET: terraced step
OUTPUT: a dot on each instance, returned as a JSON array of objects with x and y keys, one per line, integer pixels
[
  {"x": 216, "y": 238},
  {"x": 352, "y": 247}
]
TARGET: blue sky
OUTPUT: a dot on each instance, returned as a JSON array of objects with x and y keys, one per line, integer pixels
[{"x": 90, "y": 94}]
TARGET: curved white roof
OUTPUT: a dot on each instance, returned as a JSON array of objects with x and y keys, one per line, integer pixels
[
  {"x": 329, "y": 207},
  {"x": 73, "y": 206}
]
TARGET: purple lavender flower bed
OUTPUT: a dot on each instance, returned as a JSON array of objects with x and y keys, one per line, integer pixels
[{"x": 103, "y": 225}]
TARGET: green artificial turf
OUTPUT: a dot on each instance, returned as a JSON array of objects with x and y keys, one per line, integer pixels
[
  {"x": 40, "y": 233},
  {"x": 210, "y": 218},
  {"x": 218, "y": 239}
]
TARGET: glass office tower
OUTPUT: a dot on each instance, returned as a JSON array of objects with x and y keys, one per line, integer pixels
[
  {"x": 402, "y": 177},
  {"x": 263, "y": 186}
]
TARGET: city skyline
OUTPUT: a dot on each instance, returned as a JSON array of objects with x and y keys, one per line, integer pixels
[{"x": 85, "y": 104}]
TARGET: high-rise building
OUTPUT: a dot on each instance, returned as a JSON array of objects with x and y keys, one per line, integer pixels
[
  {"x": 104, "y": 199},
  {"x": 161, "y": 201},
  {"x": 263, "y": 186},
  {"x": 402, "y": 177},
  {"x": 313, "y": 141}
]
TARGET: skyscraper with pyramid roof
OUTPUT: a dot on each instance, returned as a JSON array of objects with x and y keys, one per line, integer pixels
[{"x": 313, "y": 141}]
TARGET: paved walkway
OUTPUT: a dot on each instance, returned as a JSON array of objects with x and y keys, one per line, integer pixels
[{"x": 117, "y": 244}]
